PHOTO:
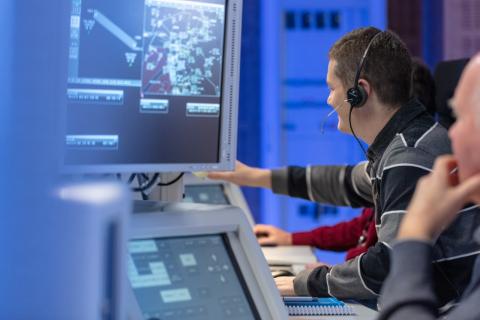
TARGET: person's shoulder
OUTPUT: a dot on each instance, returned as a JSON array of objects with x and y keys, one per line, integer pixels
[
  {"x": 416, "y": 147},
  {"x": 429, "y": 136}
]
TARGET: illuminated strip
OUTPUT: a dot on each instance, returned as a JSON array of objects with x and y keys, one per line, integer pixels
[
  {"x": 105, "y": 82},
  {"x": 96, "y": 95},
  {"x": 183, "y": 3},
  {"x": 203, "y": 110},
  {"x": 92, "y": 141},
  {"x": 153, "y": 106}
]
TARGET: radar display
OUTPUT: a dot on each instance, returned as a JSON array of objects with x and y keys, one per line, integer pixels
[{"x": 183, "y": 44}]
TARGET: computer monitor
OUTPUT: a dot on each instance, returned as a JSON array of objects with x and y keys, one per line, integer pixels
[
  {"x": 195, "y": 261},
  {"x": 208, "y": 191},
  {"x": 152, "y": 85}
]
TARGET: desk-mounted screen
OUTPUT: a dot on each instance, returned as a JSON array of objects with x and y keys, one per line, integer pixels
[{"x": 193, "y": 277}]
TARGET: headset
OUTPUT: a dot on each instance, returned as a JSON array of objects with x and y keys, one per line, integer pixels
[{"x": 356, "y": 95}]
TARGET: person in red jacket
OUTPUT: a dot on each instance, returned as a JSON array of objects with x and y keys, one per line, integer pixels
[{"x": 354, "y": 236}]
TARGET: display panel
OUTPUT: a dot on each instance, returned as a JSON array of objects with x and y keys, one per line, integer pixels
[
  {"x": 206, "y": 193},
  {"x": 146, "y": 85},
  {"x": 188, "y": 277}
]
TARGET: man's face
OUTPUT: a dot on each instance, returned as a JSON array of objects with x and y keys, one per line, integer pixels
[
  {"x": 337, "y": 96},
  {"x": 465, "y": 132}
]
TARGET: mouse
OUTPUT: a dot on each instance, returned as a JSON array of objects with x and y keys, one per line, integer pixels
[
  {"x": 282, "y": 273},
  {"x": 264, "y": 235},
  {"x": 261, "y": 234},
  {"x": 268, "y": 245}
]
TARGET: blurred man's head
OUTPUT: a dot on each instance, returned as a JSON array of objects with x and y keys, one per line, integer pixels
[
  {"x": 423, "y": 85},
  {"x": 465, "y": 132},
  {"x": 386, "y": 73}
]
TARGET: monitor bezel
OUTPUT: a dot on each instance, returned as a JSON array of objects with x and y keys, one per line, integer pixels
[
  {"x": 231, "y": 191},
  {"x": 228, "y": 248},
  {"x": 190, "y": 219}
]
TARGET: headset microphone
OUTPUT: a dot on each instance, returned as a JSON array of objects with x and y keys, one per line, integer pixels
[{"x": 324, "y": 121}]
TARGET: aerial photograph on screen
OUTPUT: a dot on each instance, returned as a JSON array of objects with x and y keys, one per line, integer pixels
[{"x": 182, "y": 48}]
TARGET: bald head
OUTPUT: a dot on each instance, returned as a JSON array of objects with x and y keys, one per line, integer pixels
[
  {"x": 467, "y": 93},
  {"x": 465, "y": 132}
]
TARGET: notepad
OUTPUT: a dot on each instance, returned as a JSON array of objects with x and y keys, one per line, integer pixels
[{"x": 309, "y": 306}]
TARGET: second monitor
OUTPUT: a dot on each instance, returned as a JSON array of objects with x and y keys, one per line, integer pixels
[
  {"x": 198, "y": 262},
  {"x": 215, "y": 192}
]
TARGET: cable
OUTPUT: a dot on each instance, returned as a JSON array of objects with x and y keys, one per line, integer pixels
[
  {"x": 353, "y": 132},
  {"x": 324, "y": 121},
  {"x": 161, "y": 184},
  {"x": 131, "y": 178},
  {"x": 145, "y": 184}
]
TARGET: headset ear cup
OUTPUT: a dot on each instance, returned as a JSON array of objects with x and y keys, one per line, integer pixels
[
  {"x": 357, "y": 96},
  {"x": 363, "y": 96}
]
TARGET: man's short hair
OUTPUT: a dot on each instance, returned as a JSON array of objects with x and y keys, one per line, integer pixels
[{"x": 388, "y": 65}]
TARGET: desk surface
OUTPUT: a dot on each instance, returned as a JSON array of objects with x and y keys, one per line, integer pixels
[
  {"x": 289, "y": 254},
  {"x": 362, "y": 313}
]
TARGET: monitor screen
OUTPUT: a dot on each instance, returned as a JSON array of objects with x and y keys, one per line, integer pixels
[
  {"x": 206, "y": 193},
  {"x": 150, "y": 86},
  {"x": 195, "y": 277}
]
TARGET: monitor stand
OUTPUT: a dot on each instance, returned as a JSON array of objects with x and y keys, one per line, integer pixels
[
  {"x": 171, "y": 193},
  {"x": 146, "y": 206},
  {"x": 149, "y": 206}
]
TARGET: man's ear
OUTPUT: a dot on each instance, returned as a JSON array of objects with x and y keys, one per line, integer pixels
[{"x": 366, "y": 86}]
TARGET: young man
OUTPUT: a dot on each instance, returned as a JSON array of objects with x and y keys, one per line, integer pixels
[
  {"x": 409, "y": 290},
  {"x": 358, "y": 234},
  {"x": 369, "y": 76}
]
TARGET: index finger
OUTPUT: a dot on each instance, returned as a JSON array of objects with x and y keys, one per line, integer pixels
[
  {"x": 445, "y": 165},
  {"x": 218, "y": 175}
]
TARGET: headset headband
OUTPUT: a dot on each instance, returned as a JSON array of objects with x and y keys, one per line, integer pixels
[{"x": 362, "y": 61}]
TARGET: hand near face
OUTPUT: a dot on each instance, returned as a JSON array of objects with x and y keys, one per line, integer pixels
[
  {"x": 436, "y": 202},
  {"x": 270, "y": 235},
  {"x": 285, "y": 285}
]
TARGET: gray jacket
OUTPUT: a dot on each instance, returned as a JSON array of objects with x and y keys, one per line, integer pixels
[
  {"x": 408, "y": 292},
  {"x": 403, "y": 151}
]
